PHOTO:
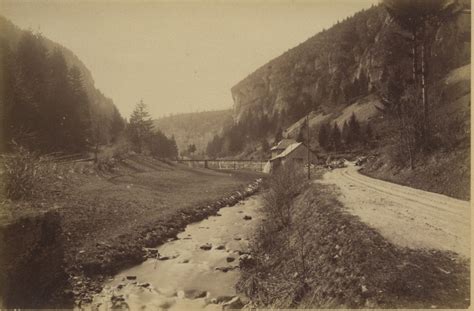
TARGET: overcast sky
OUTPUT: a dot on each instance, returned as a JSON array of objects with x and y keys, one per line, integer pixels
[{"x": 178, "y": 57}]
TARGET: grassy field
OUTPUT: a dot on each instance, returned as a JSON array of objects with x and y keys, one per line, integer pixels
[
  {"x": 109, "y": 218},
  {"x": 142, "y": 192}
]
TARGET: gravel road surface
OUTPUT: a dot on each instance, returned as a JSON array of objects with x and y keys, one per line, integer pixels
[{"x": 406, "y": 216}]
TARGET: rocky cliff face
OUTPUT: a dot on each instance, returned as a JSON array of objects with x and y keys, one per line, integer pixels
[{"x": 342, "y": 64}]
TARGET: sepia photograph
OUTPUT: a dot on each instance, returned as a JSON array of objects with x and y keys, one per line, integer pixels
[{"x": 227, "y": 155}]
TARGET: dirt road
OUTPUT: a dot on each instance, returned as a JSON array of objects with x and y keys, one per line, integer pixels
[{"x": 405, "y": 216}]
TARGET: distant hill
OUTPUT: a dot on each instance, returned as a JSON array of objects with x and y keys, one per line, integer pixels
[{"x": 194, "y": 128}]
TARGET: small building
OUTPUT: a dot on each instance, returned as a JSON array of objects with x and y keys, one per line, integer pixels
[
  {"x": 296, "y": 153},
  {"x": 281, "y": 146}
]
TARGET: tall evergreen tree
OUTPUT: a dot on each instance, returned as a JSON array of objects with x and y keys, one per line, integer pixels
[
  {"x": 354, "y": 130},
  {"x": 346, "y": 135},
  {"x": 140, "y": 126},
  {"x": 77, "y": 117},
  {"x": 323, "y": 136},
  {"x": 336, "y": 137}
]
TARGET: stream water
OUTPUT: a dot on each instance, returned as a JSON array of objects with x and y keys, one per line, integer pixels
[{"x": 198, "y": 270}]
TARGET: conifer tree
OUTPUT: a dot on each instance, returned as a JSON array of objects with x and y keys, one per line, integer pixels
[
  {"x": 336, "y": 137},
  {"x": 140, "y": 126},
  {"x": 323, "y": 136}
]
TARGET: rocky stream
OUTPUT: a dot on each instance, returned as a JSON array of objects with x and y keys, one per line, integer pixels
[{"x": 196, "y": 270}]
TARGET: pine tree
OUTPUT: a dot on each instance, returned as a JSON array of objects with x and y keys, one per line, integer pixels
[
  {"x": 351, "y": 132},
  {"x": 191, "y": 148},
  {"x": 323, "y": 136},
  {"x": 264, "y": 145},
  {"x": 346, "y": 134},
  {"x": 336, "y": 137},
  {"x": 140, "y": 127},
  {"x": 368, "y": 134},
  {"x": 78, "y": 111}
]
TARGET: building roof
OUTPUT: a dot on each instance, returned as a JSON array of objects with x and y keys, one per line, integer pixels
[
  {"x": 283, "y": 144},
  {"x": 287, "y": 151}
]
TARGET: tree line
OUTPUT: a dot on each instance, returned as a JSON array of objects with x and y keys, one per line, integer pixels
[
  {"x": 252, "y": 127},
  {"x": 45, "y": 105},
  {"x": 145, "y": 139},
  {"x": 46, "y": 108},
  {"x": 352, "y": 135},
  {"x": 413, "y": 68}
]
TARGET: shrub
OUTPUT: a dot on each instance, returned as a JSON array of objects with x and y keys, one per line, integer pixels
[
  {"x": 25, "y": 174},
  {"x": 284, "y": 185}
]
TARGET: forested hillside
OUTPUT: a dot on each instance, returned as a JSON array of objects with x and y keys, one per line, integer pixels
[
  {"x": 358, "y": 63},
  {"x": 196, "y": 129},
  {"x": 48, "y": 98}
]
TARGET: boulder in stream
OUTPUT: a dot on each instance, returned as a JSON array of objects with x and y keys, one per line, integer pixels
[
  {"x": 206, "y": 246},
  {"x": 233, "y": 304}
]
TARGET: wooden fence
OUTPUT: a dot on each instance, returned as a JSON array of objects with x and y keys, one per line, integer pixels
[{"x": 253, "y": 165}]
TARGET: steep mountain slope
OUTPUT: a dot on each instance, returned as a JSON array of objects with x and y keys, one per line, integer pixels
[
  {"x": 10, "y": 36},
  {"x": 340, "y": 65},
  {"x": 447, "y": 170},
  {"x": 363, "y": 66},
  {"x": 194, "y": 128}
]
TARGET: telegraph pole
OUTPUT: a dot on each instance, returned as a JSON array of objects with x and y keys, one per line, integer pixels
[{"x": 307, "y": 147}]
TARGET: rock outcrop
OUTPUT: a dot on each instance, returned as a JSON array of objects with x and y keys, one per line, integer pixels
[{"x": 338, "y": 66}]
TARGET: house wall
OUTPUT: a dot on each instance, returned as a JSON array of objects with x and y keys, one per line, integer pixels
[{"x": 300, "y": 156}]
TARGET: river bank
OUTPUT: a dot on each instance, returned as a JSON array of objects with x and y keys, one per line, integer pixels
[{"x": 109, "y": 219}]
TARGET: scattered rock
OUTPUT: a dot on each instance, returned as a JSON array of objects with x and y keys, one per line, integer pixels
[
  {"x": 117, "y": 298},
  {"x": 185, "y": 261},
  {"x": 244, "y": 300},
  {"x": 237, "y": 239},
  {"x": 247, "y": 217},
  {"x": 144, "y": 285},
  {"x": 164, "y": 258},
  {"x": 218, "y": 214},
  {"x": 224, "y": 269},
  {"x": 234, "y": 303},
  {"x": 230, "y": 259},
  {"x": 194, "y": 293},
  {"x": 131, "y": 277},
  {"x": 206, "y": 246},
  {"x": 220, "y": 247},
  {"x": 241, "y": 252},
  {"x": 221, "y": 299}
]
